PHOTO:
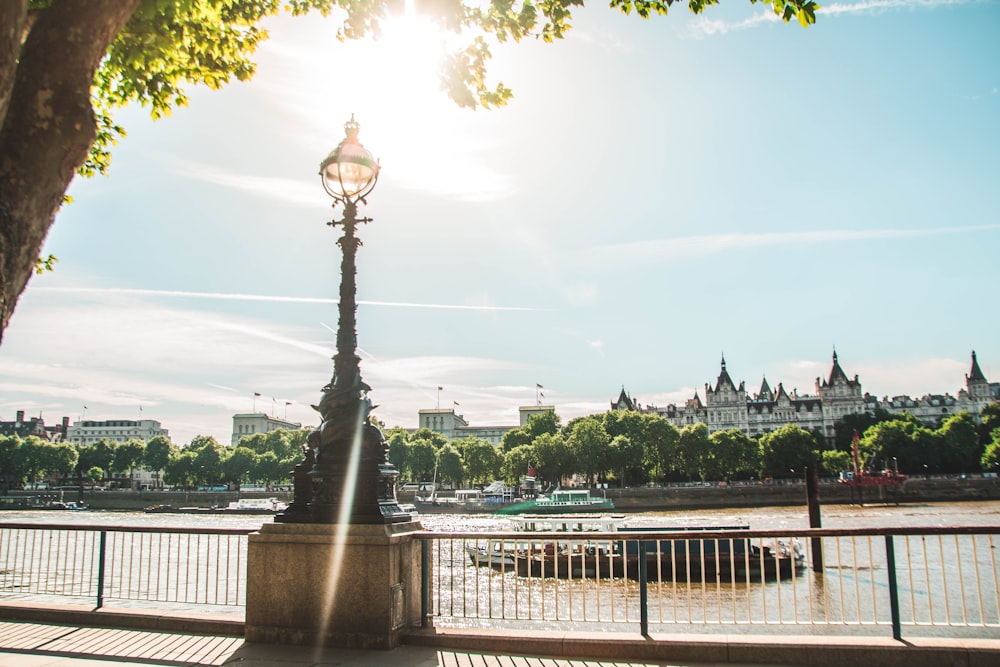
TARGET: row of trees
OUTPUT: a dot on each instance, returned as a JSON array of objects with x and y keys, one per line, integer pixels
[
  {"x": 620, "y": 447},
  {"x": 262, "y": 458},
  {"x": 628, "y": 448}
]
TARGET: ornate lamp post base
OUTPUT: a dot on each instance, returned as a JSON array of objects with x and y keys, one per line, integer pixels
[{"x": 364, "y": 505}]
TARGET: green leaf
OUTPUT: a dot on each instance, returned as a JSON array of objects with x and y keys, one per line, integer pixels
[{"x": 43, "y": 264}]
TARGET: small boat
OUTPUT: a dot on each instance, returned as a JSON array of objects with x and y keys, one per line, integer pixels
[
  {"x": 255, "y": 506},
  {"x": 467, "y": 501},
  {"x": 570, "y": 560},
  {"x": 241, "y": 506},
  {"x": 690, "y": 558},
  {"x": 887, "y": 481},
  {"x": 560, "y": 501},
  {"x": 570, "y": 553},
  {"x": 60, "y": 505},
  {"x": 508, "y": 555},
  {"x": 859, "y": 476}
]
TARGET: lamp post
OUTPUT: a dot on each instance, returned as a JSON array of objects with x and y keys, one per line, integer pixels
[{"x": 345, "y": 476}]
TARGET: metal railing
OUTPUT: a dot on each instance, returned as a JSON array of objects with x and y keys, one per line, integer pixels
[
  {"x": 933, "y": 581},
  {"x": 152, "y": 567},
  {"x": 928, "y": 581}
]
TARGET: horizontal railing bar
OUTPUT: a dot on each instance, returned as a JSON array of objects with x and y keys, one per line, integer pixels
[
  {"x": 715, "y": 534},
  {"x": 622, "y": 534},
  {"x": 127, "y": 529}
]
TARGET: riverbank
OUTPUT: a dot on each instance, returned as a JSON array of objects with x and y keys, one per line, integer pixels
[
  {"x": 645, "y": 499},
  {"x": 935, "y": 489}
]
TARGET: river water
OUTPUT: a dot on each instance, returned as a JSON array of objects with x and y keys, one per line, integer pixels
[
  {"x": 943, "y": 583},
  {"x": 763, "y": 518}
]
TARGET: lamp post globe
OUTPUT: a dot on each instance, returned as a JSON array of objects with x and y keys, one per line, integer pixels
[
  {"x": 349, "y": 172},
  {"x": 345, "y": 475}
]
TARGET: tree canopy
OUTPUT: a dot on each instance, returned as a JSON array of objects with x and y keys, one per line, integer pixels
[{"x": 66, "y": 66}]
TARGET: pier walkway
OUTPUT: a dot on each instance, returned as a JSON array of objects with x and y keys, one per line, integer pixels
[{"x": 69, "y": 636}]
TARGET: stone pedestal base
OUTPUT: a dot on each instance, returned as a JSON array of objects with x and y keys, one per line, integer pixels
[{"x": 293, "y": 597}]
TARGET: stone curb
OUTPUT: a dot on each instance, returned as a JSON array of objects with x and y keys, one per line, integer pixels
[
  {"x": 671, "y": 648},
  {"x": 132, "y": 619},
  {"x": 741, "y": 649}
]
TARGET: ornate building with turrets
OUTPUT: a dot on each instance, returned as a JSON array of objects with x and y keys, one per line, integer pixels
[{"x": 728, "y": 405}]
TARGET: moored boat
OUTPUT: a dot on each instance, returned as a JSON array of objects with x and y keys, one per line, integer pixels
[
  {"x": 489, "y": 499},
  {"x": 860, "y": 476},
  {"x": 560, "y": 501},
  {"x": 692, "y": 558},
  {"x": 241, "y": 506},
  {"x": 504, "y": 555},
  {"x": 688, "y": 557}
]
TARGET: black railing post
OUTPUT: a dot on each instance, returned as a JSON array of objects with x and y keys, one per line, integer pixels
[
  {"x": 643, "y": 592},
  {"x": 425, "y": 582},
  {"x": 100, "y": 568},
  {"x": 890, "y": 557}
]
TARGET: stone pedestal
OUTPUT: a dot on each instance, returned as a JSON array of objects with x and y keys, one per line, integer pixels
[{"x": 292, "y": 597}]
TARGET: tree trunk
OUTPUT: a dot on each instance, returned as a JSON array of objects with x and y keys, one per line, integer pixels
[
  {"x": 49, "y": 124},
  {"x": 13, "y": 15}
]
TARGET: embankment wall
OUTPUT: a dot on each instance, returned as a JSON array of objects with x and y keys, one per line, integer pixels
[{"x": 644, "y": 499}]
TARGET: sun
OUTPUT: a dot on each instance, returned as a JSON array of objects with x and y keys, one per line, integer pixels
[
  {"x": 408, "y": 54},
  {"x": 427, "y": 142},
  {"x": 392, "y": 86}
]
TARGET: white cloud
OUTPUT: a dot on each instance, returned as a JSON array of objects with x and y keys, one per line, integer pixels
[
  {"x": 872, "y": 6},
  {"x": 192, "y": 370},
  {"x": 283, "y": 190},
  {"x": 232, "y": 296},
  {"x": 704, "y": 26},
  {"x": 691, "y": 247}
]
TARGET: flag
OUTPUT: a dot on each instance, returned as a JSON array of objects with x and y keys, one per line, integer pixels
[
  {"x": 256, "y": 393},
  {"x": 288, "y": 402},
  {"x": 440, "y": 388}
]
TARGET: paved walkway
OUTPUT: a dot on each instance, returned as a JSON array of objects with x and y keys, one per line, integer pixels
[
  {"x": 61, "y": 636},
  {"x": 24, "y": 644}
]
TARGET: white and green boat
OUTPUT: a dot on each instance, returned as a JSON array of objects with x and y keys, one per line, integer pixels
[{"x": 560, "y": 501}]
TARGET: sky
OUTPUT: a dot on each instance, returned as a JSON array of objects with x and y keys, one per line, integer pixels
[{"x": 658, "y": 194}]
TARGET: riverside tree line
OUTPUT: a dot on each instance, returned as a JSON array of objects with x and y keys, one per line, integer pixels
[{"x": 620, "y": 448}]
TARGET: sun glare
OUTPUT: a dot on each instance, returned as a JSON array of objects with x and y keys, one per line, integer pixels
[{"x": 392, "y": 85}]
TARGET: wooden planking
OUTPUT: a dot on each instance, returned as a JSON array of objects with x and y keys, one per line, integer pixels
[{"x": 109, "y": 643}]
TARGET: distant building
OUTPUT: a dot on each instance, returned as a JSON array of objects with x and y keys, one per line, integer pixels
[
  {"x": 22, "y": 427},
  {"x": 728, "y": 405},
  {"x": 931, "y": 408},
  {"x": 87, "y": 432},
  {"x": 526, "y": 412},
  {"x": 454, "y": 426},
  {"x": 258, "y": 422}
]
